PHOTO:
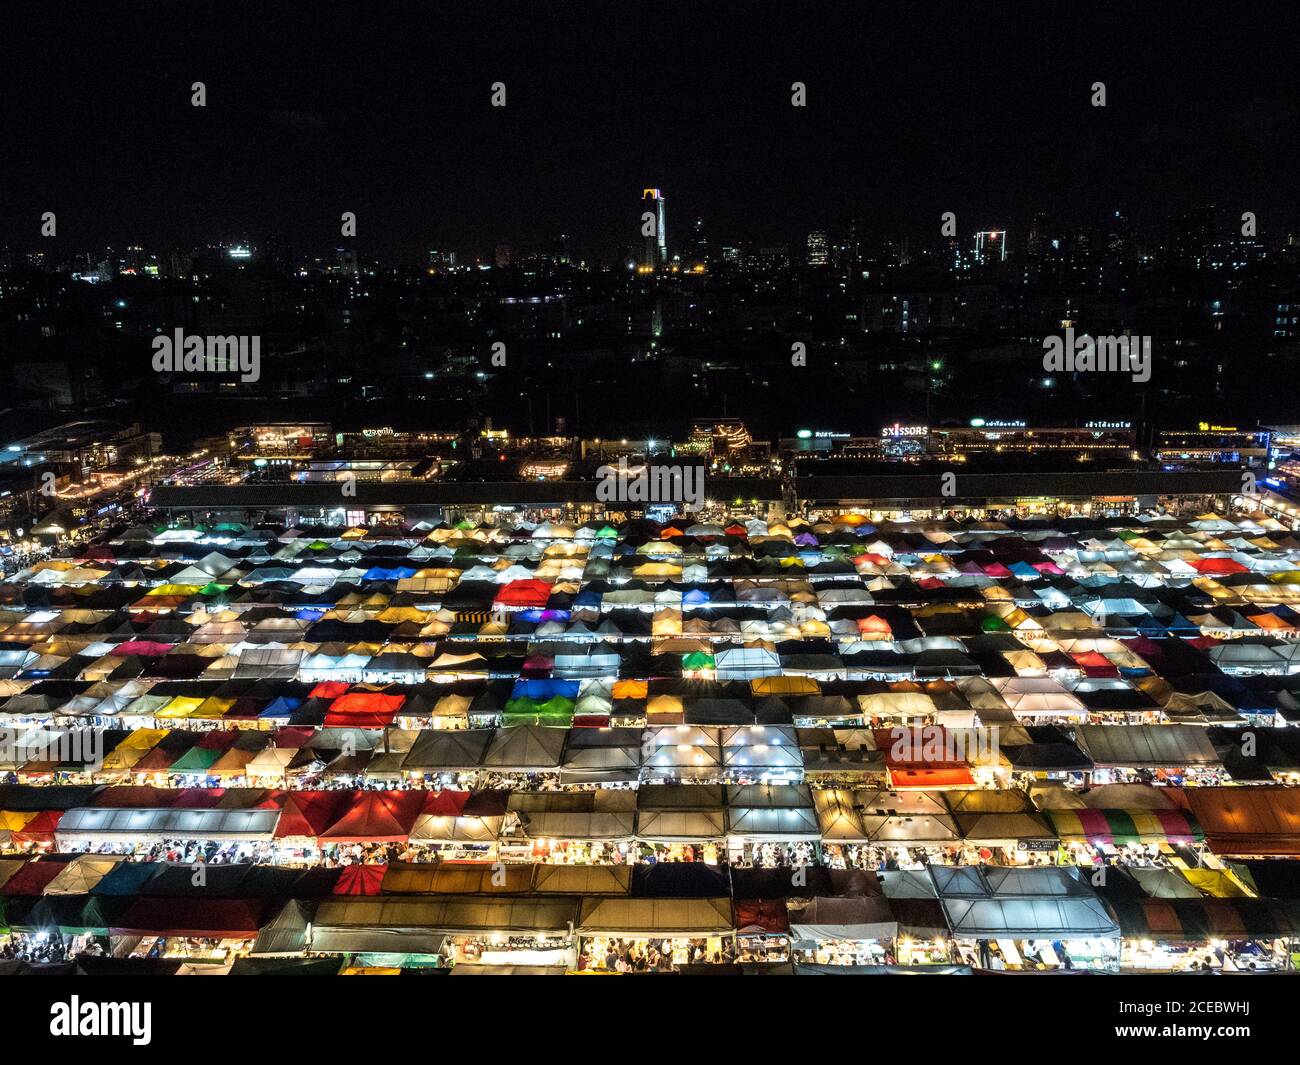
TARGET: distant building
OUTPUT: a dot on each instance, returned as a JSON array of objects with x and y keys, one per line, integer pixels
[
  {"x": 720, "y": 438},
  {"x": 654, "y": 202},
  {"x": 699, "y": 249},
  {"x": 990, "y": 247},
  {"x": 818, "y": 250},
  {"x": 1192, "y": 237},
  {"x": 441, "y": 262},
  {"x": 345, "y": 261},
  {"x": 768, "y": 260},
  {"x": 1211, "y": 445}
]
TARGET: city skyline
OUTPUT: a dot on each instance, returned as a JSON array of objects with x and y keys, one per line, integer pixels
[
  {"x": 1037, "y": 235},
  {"x": 287, "y": 140}
]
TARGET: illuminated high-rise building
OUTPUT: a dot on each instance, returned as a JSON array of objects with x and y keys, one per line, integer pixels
[
  {"x": 656, "y": 243},
  {"x": 990, "y": 246},
  {"x": 818, "y": 248}
]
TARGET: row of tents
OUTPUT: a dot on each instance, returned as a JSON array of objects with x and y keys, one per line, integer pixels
[{"x": 1232, "y": 821}]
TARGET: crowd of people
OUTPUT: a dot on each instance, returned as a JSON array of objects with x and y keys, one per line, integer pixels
[
  {"x": 654, "y": 955},
  {"x": 36, "y": 951}
]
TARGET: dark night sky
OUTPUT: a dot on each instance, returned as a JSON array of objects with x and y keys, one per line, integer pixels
[{"x": 383, "y": 109}]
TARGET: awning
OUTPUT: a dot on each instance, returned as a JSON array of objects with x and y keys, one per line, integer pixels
[
  {"x": 468, "y": 878},
  {"x": 1199, "y": 920},
  {"x": 761, "y": 916},
  {"x": 825, "y": 919},
  {"x": 1029, "y": 918},
  {"x": 1123, "y": 827},
  {"x": 1248, "y": 821},
  {"x": 771, "y": 811},
  {"x": 286, "y": 933},
  {"x": 681, "y": 812},
  {"x": 1153, "y": 746},
  {"x": 196, "y": 917},
  {"x": 109, "y": 825},
  {"x": 377, "y": 817},
  {"x": 989, "y": 902},
  {"x": 356, "y": 924},
  {"x": 655, "y": 917}
]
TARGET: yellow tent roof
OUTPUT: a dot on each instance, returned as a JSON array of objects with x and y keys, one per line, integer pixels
[
  {"x": 1217, "y": 883},
  {"x": 784, "y": 686},
  {"x": 180, "y": 706},
  {"x": 14, "y": 820},
  {"x": 142, "y": 739},
  {"x": 664, "y": 704},
  {"x": 175, "y": 589},
  {"x": 213, "y": 707}
]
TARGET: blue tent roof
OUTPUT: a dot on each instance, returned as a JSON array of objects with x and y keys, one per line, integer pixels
[
  {"x": 281, "y": 706},
  {"x": 543, "y": 689},
  {"x": 126, "y": 878}
]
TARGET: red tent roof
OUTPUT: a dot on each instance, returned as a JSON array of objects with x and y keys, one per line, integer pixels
[
  {"x": 445, "y": 803},
  {"x": 367, "y": 702},
  {"x": 40, "y": 829},
  {"x": 218, "y": 740},
  {"x": 761, "y": 915},
  {"x": 136, "y": 797},
  {"x": 1095, "y": 664},
  {"x": 363, "y": 710},
  {"x": 918, "y": 747},
  {"x": 956, "y": 777},
  {"x": 292, "y": 736},
  {"x": 377, "y": 817},
  {"x": 309, "y": 813},
  {"x": 144, "y": 648},
  {"x": 199, "y": 917},
  {"x": 1218, "y": 565},
  {"x": 524, "y": 593},
  {"x": 328, "y": 689},
  {"x": 32, "y": 878},
  {"x": 198, "y": 798},
  {"x": 360, "y": 880}
]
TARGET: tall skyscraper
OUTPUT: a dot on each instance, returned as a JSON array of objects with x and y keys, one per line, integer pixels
[
  {"x": 1036, "y": 246},
  {"x": 656, "y": 242},
  {"x": 990, "y": 246},
  {"x": 1191, "y": 239},
  {"x": 818, "y": 248},
  {"x": 699, "y": 250},
  {"x": 277, "y": 255},
  {"x": 1120, "y": 237}
]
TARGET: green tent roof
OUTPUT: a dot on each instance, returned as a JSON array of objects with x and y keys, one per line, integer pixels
[
  {"x": 195, "y": 760},
  {"x": 557, "y": 710}
]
